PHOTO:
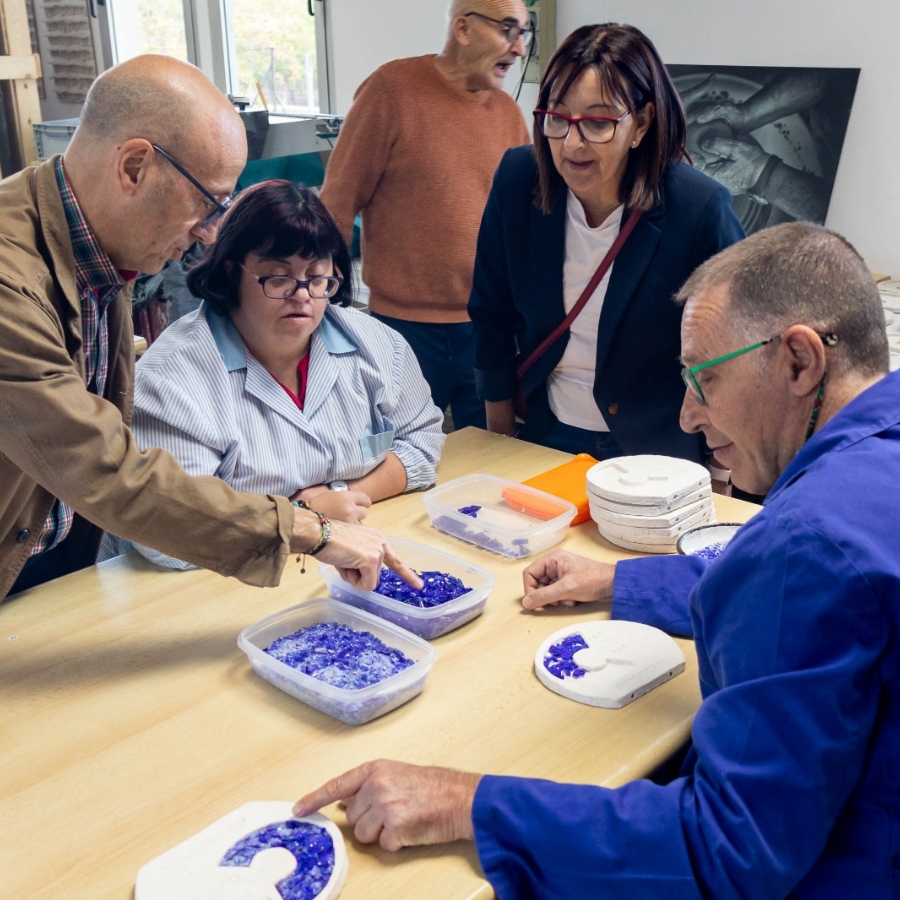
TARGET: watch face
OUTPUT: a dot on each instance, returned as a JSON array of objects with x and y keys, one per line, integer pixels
[{"x": 339, "y": 485}]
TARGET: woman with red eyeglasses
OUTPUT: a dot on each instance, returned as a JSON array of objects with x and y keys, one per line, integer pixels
[{"x": 608, "y": 180}]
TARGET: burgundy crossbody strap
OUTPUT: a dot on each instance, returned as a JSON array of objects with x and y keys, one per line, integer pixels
[{"x": 596, "y": 278}]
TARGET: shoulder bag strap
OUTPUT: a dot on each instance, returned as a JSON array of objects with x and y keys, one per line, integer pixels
[{"x": 596, "y": 278}]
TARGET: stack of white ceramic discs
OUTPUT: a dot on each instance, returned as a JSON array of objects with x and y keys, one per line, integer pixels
[
  {"x": 890, "y": 300},
  {"x": 646, "y": 503}
]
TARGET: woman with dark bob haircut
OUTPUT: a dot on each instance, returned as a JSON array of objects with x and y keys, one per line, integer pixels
[
  {"x": 608, "y": 156},
  {"x": 274, "y": 384}
]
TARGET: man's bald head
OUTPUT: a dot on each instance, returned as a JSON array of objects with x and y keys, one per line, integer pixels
[
  {"x": 496, "y": 9},
  {"x": 141, "y": 209},
  {"x": 159, "y": 98}
]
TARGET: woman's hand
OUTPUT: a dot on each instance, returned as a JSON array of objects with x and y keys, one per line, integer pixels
[{"x": 347, "y": 506}]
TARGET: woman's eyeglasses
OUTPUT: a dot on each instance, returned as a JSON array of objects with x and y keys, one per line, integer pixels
[
  {"x": 593, "y": 129},
  {"x": 282, "y": 287}
]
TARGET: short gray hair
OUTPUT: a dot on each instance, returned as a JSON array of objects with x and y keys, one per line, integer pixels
[{"x": 800, "y": 274}]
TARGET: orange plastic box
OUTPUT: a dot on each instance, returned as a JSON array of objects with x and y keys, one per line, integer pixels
[{"x": 568, "y": 482}]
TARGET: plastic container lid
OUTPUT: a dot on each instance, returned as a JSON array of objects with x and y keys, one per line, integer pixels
[
  {"x": 506, "y": 517},
  {"x": 427, "y": 623},
  {"x": 196, "y": 868},
  {"x": 618, "y": 662},
  {"x": 646, "y": 480},
  {"x": 352, "y": 707}
]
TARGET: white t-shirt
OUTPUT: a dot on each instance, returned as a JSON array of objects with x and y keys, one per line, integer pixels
[{"x": 570, "y": 388}]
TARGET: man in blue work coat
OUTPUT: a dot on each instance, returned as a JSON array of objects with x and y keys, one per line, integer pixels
[{"x": 791, "y": 784}]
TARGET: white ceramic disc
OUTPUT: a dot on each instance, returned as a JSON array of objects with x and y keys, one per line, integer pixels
[
  {"x": 664, "y": 520},
  {"x": 661, "y": 540},
  {"x": 195, "y": 869},
  {"x": 646, "y": 480},
  {"x": 621, "y": 662},
  {"x": 656, "y": 509}
]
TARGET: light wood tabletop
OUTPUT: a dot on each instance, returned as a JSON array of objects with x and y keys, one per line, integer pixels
[{"x": 129, "y": 719}]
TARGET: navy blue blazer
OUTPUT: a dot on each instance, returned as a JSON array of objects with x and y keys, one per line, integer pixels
[{"x": 517, "y": 300}]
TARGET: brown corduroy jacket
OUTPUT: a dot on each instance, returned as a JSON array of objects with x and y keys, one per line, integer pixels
[{"x": 58, "y": 440}]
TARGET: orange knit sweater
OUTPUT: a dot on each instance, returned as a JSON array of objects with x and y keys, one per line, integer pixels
[{"x": 417, "y": 155}]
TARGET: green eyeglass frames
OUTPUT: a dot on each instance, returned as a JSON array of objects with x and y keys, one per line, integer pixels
[{"x": 688, "y": 375}]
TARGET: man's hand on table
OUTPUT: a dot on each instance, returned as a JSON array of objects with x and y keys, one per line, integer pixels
[
  {"x": 400, "y": 805},
  {"x": 563, "y": 577}
]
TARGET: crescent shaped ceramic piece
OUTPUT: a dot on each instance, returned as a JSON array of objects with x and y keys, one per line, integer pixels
[{"x": 255, "y": 852}]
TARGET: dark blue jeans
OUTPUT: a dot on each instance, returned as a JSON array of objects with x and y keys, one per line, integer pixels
[
  {"x": 599, "y": 444},
  {"x": 446, "y": 355}
]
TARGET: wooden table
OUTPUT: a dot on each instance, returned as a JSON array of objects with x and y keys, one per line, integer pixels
[{"x": 129, "y": 720}]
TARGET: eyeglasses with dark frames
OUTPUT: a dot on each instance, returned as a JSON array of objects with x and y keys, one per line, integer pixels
[
  {"x": 282, "y": 287},
  {"x": 688, "y": 375},
  {"x": 511, "y": 29},
  {"x": 593, "y": 129},
  {"x": 220, "y": 206}
]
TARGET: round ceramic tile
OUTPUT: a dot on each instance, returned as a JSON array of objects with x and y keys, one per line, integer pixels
[
  {"x": 646, "y": 480},
  {"x": 607, "y": 663}
]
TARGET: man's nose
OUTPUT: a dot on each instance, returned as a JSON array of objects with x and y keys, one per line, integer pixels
[
  {"x": 693, "y": 415},
  {"x": 206, "y": 233}
]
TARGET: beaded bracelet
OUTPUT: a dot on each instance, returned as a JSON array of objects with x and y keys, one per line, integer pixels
[{"x": 324, "y": 538}]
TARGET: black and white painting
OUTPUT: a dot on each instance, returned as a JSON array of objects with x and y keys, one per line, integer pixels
[{"x": 771, "y": 135}]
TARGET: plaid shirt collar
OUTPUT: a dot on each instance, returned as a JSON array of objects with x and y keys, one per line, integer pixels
[{"x": 93, "y": 268}]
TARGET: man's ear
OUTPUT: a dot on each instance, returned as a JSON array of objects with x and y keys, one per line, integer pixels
[
  {"x": 461, "y": 29},
  {"x": 806, "y": 358},
  {"x": 134, "y": 158}
]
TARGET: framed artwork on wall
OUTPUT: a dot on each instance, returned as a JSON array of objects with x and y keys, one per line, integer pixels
[{"x": 771, "y": 135}]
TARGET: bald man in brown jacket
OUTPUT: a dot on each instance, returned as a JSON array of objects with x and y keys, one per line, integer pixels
[{"x": 149, "y": 170}]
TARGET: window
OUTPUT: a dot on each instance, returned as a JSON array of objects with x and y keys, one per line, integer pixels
[{"x": 269, "y": 51}]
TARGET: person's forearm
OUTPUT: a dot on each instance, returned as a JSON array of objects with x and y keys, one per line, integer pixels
[
  {"x": 799, "y": 194},
  {"x": 783, "y": 96},
  {"x": 387, "y": 479}
]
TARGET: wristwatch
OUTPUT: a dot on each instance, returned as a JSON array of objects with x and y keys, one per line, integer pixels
[{"x": 338, "y": 485}]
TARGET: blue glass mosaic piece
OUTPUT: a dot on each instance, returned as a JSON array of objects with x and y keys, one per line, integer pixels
[
  {"x": 439, "y": 587},
  {"x": 310, "y": 845},
  {"x": 339, "y": 655},
  {"x": 559, "y": 660},
  {"x": 469, "y": 511},
  {"x": 711, "y": 551},
  {"x": 516, "y": 548}
]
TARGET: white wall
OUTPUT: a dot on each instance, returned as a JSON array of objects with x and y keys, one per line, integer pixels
[{"x": 864, "y": 34}]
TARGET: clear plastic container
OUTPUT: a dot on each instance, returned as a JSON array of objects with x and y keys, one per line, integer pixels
[
  {"x": 427, "y": 623},
  {"x": 351, "y": 706},
  {"x": 512, "y": 519}
]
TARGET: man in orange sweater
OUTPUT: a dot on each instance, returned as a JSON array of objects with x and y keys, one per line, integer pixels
[{"x": 417, "y": 154}]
